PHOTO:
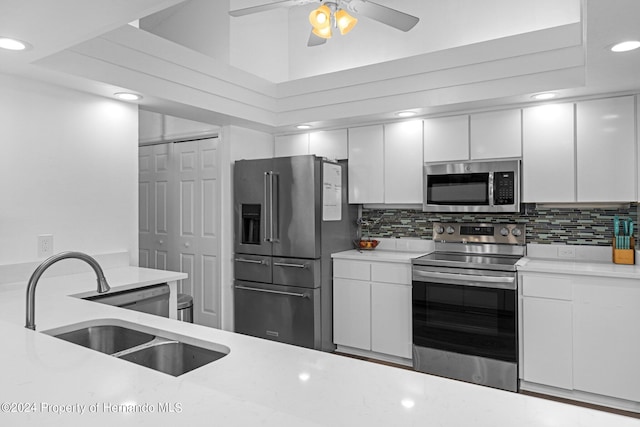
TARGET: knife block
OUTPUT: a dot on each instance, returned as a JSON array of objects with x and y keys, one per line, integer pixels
[{"x": 624, "y": 256}]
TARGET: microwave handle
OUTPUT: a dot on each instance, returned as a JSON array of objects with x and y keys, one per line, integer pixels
[{"x": 491, "y": 201}]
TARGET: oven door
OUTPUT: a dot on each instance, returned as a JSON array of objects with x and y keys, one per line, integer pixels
[
  {"x": 465, "y": 325},
  {"x": 466, "y": 311}
]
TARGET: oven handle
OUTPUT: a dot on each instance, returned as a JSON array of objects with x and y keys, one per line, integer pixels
[{"x": 494, "y": 282}]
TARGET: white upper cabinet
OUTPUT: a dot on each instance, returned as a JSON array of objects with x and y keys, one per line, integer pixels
[
  {"x": 606, "y": 155},
  {"x": 331, "y": 144},
  {"x": 366, "y": 164},
  {"x": 403, "y": 162},
  {"x": 548, "y": 150},
  {"x": 291, "y": 145},
  {"x": 496, "y": 134},
  {"x": 446, "y": 139}
]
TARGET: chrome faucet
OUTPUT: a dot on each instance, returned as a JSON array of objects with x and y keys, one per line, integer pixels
[{"x": 103, "y": 286}]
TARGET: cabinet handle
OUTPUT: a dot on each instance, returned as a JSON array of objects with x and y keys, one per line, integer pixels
[
  {"x": 268, "y": 291},
  {"x": 250, "y": 261},
  {"x": 284, "y": 264}
]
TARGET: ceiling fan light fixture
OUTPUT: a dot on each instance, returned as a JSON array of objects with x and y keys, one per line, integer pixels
[
  {"x": 344, "y": 21},
  {"x": 324, "y": 33},
  {"x": 320, "y": 18}
]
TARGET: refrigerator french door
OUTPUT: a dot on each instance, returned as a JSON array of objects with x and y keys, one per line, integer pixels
[{"x": 283, "y": 243}]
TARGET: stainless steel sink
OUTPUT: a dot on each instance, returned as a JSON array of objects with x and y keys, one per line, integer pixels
[
  {"x": 108, "y": 339},
  {"x": 173, "y": 357},
  {"x": 165, "y": 352}
]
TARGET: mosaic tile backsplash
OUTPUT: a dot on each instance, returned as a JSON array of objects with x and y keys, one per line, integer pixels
[{"x": 572, "y": 226}]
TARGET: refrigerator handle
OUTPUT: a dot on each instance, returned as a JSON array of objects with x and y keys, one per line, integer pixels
[
  {"x": 267, "y": 207},
  {"x": 275, "y": 203}
]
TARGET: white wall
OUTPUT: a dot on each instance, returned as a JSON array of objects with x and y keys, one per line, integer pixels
[
  {"x": 156, "y": 127},
  {"x": 201, "y": 25},
  {"x": 235, "y": 143},
  {"x": 69, "y": 168}
]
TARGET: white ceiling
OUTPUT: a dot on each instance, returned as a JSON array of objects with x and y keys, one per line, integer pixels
[{"x": 87, "y": 45}]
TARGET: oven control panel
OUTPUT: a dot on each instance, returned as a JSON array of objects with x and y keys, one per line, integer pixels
[{"x": 512, "y": 234}]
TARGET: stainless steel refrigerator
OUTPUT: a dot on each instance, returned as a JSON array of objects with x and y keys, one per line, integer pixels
[{"x": 291, "y": 214}]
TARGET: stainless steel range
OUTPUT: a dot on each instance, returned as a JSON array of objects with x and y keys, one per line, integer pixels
[{"x": 465, "y": 304}]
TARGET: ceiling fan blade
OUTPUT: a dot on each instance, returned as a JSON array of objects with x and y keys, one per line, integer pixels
[
  {"x": 315, "y": 40},
  {"x": 386, "y": 15},
  {"x": 267, "y": 6}
]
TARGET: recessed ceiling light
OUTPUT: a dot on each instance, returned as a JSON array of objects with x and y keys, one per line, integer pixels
[
  {"x": 126, "y": 96},
  {"x": 406, "y": 114},
  {"x": 543, "y": 96},
  {"x": 303, "y": 127},
  {"x": 626, "y": 46},
  {"x": 12, "y": 44}
]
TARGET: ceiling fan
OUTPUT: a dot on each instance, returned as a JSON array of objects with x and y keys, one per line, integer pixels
[{"x": 335, "y": 14}]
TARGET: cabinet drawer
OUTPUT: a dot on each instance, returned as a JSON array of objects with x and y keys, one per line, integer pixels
[
  {"x": 254, "y": 268},
  {"x": 296, "y": 272},
  {"x": 546, "y": 287},
  {"x": 387, "y": 272},
  {"x": 351, "y": 269}
]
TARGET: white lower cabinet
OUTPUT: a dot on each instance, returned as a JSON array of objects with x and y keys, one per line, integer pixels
[
  {"x": 391, "y": 319},
  {"x": 580, "y": 338},
  {"x": 607, "y": 337},
  {"x": 548, "y": 346},
  {"x": 352, "y": 313},
  {"x": 372, "y": 308}
]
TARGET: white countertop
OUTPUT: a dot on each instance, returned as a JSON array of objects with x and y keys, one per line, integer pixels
[
  {"x": 583, "y": 268},
  {"x": 378, "y": 255},
  {"x": 259, "y": 383}
]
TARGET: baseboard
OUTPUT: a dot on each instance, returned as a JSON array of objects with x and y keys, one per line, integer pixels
[{"x": 581, "y": 396}]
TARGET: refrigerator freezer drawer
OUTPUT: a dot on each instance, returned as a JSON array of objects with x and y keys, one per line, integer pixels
[
  {"x": 296, "y": 272},
  {"x": 254, "y": 268},
  {"x": 286, "y": 314}
]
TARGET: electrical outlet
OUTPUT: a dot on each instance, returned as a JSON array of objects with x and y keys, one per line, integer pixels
[
  {"x": 567, "y": 252},
  {"x": 45, "y": 245}
]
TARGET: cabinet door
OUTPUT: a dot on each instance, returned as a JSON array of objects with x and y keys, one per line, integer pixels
[
  {"x": 403, "y": 162},
  {"x": 606, "y": 158},
  {"x": 547, "y": 342},
  {"x": 496, "y": 134},
  {"x": 446, "y": 139},
  {"x": 607, "y": 338},
  {"x": 391, "y": 319},
  {"x": 366, "y": 165},
  {"x": 548, "y": 170},
  {"x": 291, "y": 145},
  {"x": 352, "y": 313},
  {"x": 331, "y": 144}
]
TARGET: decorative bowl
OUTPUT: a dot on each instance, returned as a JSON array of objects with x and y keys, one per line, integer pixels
[{"x": 368, "y": 244}]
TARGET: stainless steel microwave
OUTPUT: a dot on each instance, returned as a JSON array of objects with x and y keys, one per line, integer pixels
[{"x": 484, "y": 186}]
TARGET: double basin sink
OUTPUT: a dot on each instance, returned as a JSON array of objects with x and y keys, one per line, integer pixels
[{"x": 147, "y": 347}]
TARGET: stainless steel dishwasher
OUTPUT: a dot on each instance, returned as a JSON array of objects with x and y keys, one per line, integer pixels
[{"x": 153, "y": 299}]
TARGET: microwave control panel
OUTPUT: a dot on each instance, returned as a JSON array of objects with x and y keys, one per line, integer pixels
[{"x": 504, "y": 184}]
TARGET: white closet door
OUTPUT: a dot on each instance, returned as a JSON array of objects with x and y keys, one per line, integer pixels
[
  {"x": 198, "y": 226},
  {"x": 179, "y": 220},
  {"x": 154, "y": 192}
]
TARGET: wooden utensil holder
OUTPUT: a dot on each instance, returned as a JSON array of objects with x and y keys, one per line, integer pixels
[{"x": 624, "y": 256}]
